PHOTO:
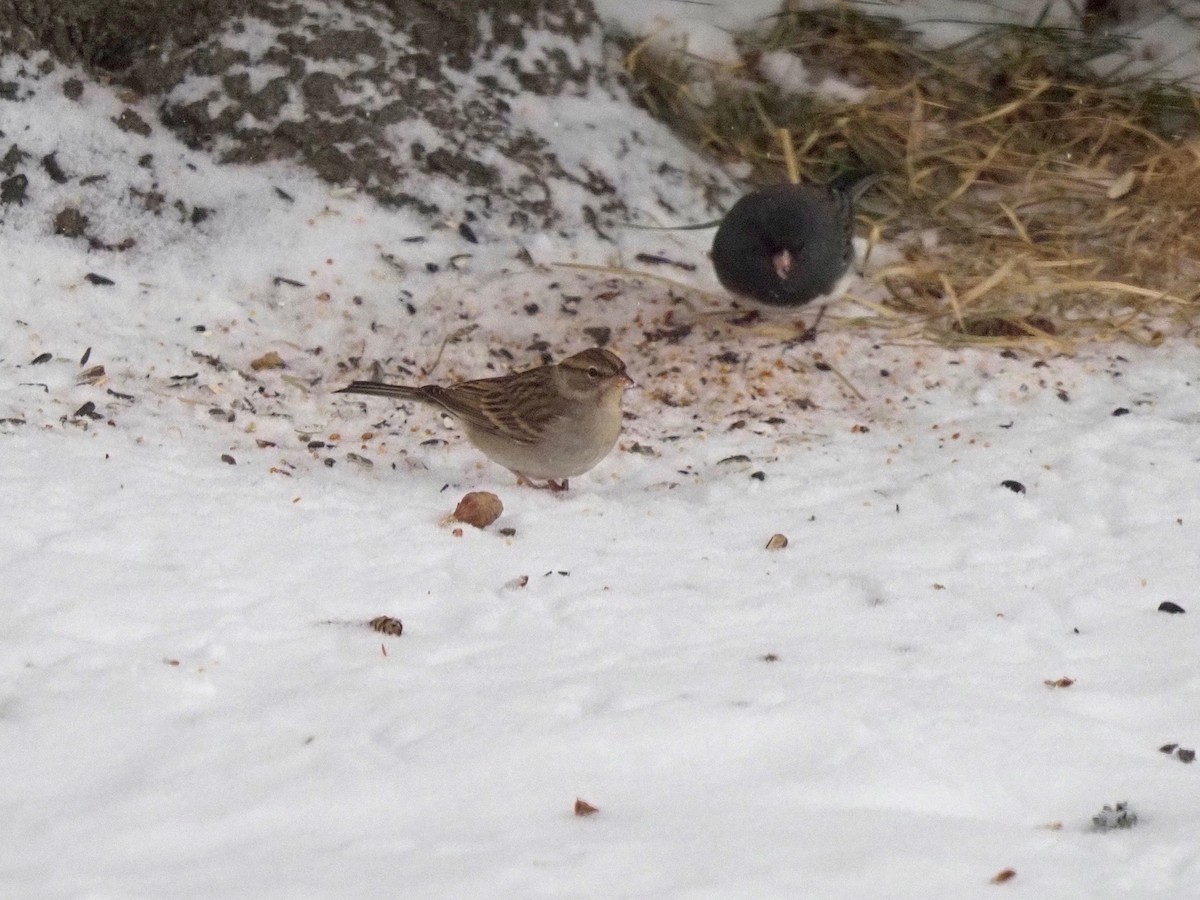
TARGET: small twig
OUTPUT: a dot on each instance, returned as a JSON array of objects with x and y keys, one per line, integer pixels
[
  {"x": 789, "y": 154},
  {"x": 846, "y": 381},
  {"x": 452, "y": 338}
]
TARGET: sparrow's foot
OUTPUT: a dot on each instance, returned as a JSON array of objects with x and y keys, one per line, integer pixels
[{"x": 549, "y": 485}]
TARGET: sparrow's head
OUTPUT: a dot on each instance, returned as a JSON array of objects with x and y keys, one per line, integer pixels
[{"x": 593, "y": 373}]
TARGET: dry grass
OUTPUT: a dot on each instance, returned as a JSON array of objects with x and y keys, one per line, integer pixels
[{"x": 1065, "y": 206}]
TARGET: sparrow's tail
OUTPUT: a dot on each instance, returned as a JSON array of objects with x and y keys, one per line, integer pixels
[{"x": 379, "y": 389}]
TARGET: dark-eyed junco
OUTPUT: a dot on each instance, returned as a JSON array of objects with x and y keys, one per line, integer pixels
[
  {"x": 788, "y": 243},
  {"x": 549, "y": 423}
]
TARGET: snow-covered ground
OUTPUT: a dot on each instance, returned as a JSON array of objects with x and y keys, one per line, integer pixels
[{"x": 938, "y": 679}]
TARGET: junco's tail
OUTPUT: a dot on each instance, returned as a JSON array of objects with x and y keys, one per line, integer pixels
[{"x": 853, "y": 183}]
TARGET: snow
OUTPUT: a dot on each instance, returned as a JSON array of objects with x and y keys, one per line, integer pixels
[{"x": 192, "y": 706}]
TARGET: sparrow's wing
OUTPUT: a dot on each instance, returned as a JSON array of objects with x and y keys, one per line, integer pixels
[{"x": 517, "y": 407}]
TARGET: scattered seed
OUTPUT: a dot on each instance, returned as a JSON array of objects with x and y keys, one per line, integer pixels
[
  {"x": 387, "y": 625},
  {"x": 1120, "y": 411},
  {"x": 467, "y": 233},
  {"x": 777, "y": 542},
  {"x": 99, "y": 280},
  {"x": 1118, "y": 816},
  {"x": 1063, "y": 682},
  {"x": 653, "y": 259},
  {"x": 13, "y": 188},
  {"x": 70, "y": 222},
  {"x": 729, "y": 460},
  {"x": 228, "y": 460},
  {"x": 1168, "y": 607},
  {"x": 1168, "y": 748},
  {"x": 1004, "y": 875},
  {"x": 1015, "y": 486},
  {"x": 88, "y": 409},
  {"x": 41, "y": 358},
  {"x": 1186, "y": 756},
  {"x": 583, "y": 808},
  {"x": 87, "y": 354}
]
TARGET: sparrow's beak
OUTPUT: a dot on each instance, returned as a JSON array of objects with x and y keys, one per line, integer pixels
[{"x": 626, "y": 381}]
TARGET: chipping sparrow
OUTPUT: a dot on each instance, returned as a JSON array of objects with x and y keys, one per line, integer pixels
[
  {"x": 788, "y": 243},
  {"x": 550, "y": 422}
]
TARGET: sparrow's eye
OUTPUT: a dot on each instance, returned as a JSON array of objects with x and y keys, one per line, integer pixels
[{"x": 593, "y": 372}]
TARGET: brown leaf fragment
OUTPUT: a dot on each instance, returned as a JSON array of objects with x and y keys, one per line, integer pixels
[
  {"x": 387, "y": 625},
  {"x": 269, "y": 360},
  {"x": 478, "y": 508},
  {"x": 583, "y": 808},
  {"x": 1004, "y": 875}
]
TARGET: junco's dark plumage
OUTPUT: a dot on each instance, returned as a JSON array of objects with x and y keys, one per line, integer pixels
[{"x": 788, "y": 243}]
